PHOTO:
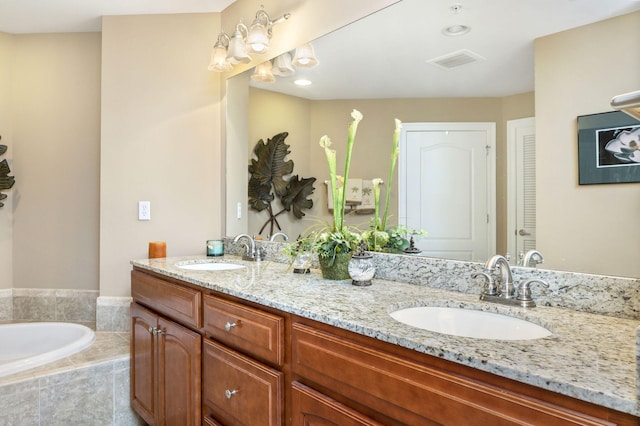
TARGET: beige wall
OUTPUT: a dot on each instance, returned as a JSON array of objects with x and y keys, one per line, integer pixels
[
  {"x": 269, "y": 114},
  {"x": 163, "y": 126},
  {"x": 161, "y": 140},
  {"x": 75, "y": 209},
  {"x": 56, "y": 120},
  {"x": 372, "y": 149},
  {"x": 6, "y": 212},
  {"x": 584, "y": 228},
  {"x": 308, "y": 21}
]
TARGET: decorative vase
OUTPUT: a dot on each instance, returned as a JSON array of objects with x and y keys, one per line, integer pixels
[
  {"x": 361, "y": 268},
  {"x": 302, "y": 263},
  {"x": 339, "y": 270}
]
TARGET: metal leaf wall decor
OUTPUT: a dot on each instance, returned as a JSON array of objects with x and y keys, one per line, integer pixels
[
  {"x": 270, "y": 171},
  {"x": 6, "y": 181}
]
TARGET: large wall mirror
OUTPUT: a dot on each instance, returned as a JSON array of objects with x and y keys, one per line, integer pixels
[{"x": 398, "y": 63}]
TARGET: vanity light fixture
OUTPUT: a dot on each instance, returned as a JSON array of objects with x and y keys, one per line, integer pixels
[
  {"x": 305, "y": 56},
  {"x": 235, "y": 49},
  {"x": 237, "y": 53},
  {"x": 263, "y": 73},
  {"x": 282, "y": 66},
  {"x": 261, "y": 30},
  {"x": 219, "y": 54}
]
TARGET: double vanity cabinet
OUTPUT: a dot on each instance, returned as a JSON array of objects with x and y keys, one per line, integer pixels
[{"x": 204, "y": 356}]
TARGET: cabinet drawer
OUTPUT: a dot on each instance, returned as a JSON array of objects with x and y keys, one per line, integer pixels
[
  {"x": 251, "y": 331},
  {"x": 182, "y": 304},
  {"x": 238, "y": 390},
  {"x": 414, "y": 393},
  {"x": 313, "y": 408}
]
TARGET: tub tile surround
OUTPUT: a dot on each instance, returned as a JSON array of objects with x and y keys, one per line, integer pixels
[
  {"x": 113, "y": 314},
  {"x": 90, "y": 387},
  {"x": 6, "y": 304},
  {"x": 588, "y": 356},
  {"x": 32, "y": 304}
]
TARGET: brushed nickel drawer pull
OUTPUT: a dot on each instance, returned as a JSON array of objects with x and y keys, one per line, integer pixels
[
  {"x": 229, "y": 325},
  {"x": 229, "y": 393}
]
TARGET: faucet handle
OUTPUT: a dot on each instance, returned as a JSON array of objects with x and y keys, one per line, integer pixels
[
  {"x": 491, "y": 289},
  {"x": 524, "y": 292}
]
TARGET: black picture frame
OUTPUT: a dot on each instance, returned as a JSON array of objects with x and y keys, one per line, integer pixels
[{"x": 608, "y": 148}]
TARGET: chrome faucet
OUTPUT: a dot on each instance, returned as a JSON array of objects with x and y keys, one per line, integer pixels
[
  {"x": 251, "y": 253},
  {"x": 532, "y": 258},
  {"x": 524, "y": 292},
  {"x": 285, "y": 237},
  {"x": 507, "y": 294},
  {"x": 506, "y": 279}
]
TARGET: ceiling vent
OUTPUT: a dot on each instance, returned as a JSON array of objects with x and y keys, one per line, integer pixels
[{"x": 456, "y": 59}]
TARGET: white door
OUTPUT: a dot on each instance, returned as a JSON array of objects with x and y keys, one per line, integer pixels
[
  {"x": 521, "y": 186},
  {"x": 446, "y": 187}
]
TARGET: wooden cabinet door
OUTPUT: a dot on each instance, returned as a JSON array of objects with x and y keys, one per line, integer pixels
[
  {"x": 179, "y": 352},
  {"x": 143, "y": 363},
  {"x": 311, "y": 408}
]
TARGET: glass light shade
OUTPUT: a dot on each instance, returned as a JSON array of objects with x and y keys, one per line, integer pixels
[
  {"x": 282, "y": 65},
  {"x": 305, "y": 56},
  {"x": 258, "y": 38},
  {"x": 219, "y": 59},
  {"x": 237, "y": 53},
  {"x": 263, "y": 73}
]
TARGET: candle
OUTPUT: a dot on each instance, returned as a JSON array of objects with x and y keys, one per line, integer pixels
[
  {"x": 157, "y": 249},
  {"x": 215, "y": 247}
]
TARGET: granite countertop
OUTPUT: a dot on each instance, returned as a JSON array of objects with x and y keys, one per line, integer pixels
[{"x": 590, "y": 357}]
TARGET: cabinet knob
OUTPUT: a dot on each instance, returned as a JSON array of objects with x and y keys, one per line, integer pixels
[
  {"x": 229, "y": 325},
  {"x": 155, "y": 331},
  {"x": 229, "y": 393}
]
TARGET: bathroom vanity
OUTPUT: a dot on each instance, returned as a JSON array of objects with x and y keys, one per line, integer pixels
[{"x": 261, "y": 345}]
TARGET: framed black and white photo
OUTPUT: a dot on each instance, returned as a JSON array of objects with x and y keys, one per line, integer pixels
[{"x": 608, "y": 148}]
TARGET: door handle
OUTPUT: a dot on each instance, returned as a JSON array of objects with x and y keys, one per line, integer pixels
[{"x": 523, "y": 233}]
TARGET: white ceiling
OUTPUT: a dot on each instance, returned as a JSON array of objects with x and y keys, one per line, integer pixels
[
  {"x": 52, "y": 16},
  {"x": 383, "y": 55}
]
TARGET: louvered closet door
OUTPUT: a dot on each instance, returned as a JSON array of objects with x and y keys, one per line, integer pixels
[{"x": 526, "y": 186}]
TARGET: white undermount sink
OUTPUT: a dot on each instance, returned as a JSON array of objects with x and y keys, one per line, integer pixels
[
  {"x": 211, "y": 266},
  {"x": 469, "y": 323}
]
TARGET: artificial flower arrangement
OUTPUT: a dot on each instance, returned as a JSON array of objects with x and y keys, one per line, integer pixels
[
  {"x": 378, "y": 237},
  {"x": 338, "y": 240}
]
